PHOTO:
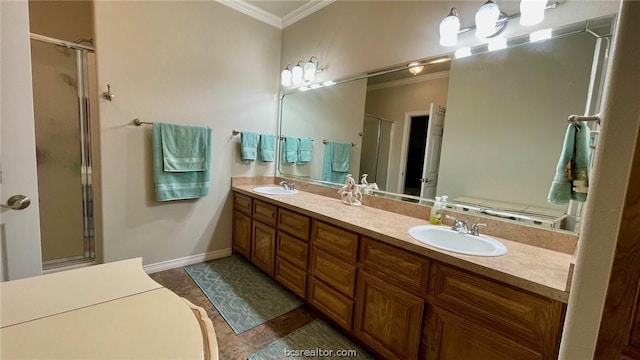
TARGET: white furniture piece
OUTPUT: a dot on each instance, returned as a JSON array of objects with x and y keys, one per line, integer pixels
[{"x": 108, "y": 311}]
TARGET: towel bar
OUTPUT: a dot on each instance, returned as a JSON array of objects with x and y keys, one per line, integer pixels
[
  {"x": 576, "y": 119},
  {"x": 324, "y": 141}
]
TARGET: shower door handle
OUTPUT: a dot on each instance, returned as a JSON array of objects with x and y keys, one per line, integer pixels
[{"x": 17, "y": 202}]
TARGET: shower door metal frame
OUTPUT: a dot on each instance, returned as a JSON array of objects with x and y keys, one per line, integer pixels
[{"x": 86, "y": 173}]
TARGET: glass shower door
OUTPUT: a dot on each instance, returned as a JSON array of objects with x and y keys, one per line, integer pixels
[{"x": 60, "y": 92}]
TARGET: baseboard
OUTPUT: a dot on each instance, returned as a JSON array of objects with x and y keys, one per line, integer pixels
[{"x": 188, "y": 260}]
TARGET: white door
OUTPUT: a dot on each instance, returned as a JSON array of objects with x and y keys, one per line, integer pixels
[
  {"x": 20, "y": 255},
  {"x": 433, "y": 147}
]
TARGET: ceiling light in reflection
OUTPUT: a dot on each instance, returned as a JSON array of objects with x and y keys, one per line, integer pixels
[
  {"x": 540, "y": 35},
  {"x": 497, "y": 44},
  {"x": 463, "y": 52}
]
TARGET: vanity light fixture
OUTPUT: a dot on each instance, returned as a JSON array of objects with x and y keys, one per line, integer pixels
[
  {"x": 286, "y": 76},
  {"x": 310, "y": 68},
  {"x": 415, "y": 68},
  {"x": 490, "y": 21},
  {"x": 297, "y": 74}
]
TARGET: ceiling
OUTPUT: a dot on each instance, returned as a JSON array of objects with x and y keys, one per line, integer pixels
[{"x": 278, "y": 13}]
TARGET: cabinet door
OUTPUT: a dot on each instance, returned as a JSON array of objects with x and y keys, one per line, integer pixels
[
  {"x": 451, "y": 337},
  {"x": 263, "y": 249},
  {"x": 388, "y": 318},
  {"x": 242, "y": 234}
]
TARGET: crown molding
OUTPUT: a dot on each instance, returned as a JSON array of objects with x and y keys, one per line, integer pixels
[
  {"x": 411, "y": 80},
  {"x": 253, "y": 11},
  {"x": 304, "y": 11}
]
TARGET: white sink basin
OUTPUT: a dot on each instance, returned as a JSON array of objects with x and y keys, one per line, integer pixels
[
  {"x": 274, "y": 190},
  {"x": 446, "y": 239}
]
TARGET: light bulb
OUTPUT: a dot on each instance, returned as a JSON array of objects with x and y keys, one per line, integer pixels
[
  {"x": 285, "y": 77},
  {"x": 449, "y": 28},
  {"x": 486, "y": 19},
  {"x": 309, "y": 71},
  {"x": 532, "y": 11},
  {"x": 296, "y": 75}
]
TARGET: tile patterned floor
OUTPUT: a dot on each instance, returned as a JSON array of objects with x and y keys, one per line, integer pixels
[{"x": 232, "y": 346}]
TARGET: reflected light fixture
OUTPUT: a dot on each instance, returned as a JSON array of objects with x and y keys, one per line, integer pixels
[
  {"x": 303, "y": 72},
  {"x": 463, "y": 52},
  {"x": 540, "y": 35},
  {"x": 415, "y": 68},
  {"x": 449, "y": 27},
  {"x": 532, "y": 11}
]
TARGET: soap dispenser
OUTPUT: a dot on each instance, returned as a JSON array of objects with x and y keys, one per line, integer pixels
[{"x": 436, "y": 212}]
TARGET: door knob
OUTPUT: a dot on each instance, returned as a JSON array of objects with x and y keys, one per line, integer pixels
[{"x": 17, "y": 202}]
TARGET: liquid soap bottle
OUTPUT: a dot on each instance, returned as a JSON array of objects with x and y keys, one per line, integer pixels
[{"x": 436, "y": 212}]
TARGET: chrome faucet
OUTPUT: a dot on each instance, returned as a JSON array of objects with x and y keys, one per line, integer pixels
[
  {"x": 458, "y": 225},
  {"x": 474, "y": 229},
  {"x": 288, "y": 186}
]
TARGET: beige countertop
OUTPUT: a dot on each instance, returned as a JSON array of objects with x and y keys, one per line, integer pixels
[{"x": 532, "y": 268}]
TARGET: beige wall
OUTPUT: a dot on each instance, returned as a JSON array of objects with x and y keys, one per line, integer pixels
[
  {"x": 66, "y": 20},
  {"x": 185, "y": 62},
  {"x": 333, "y": 113},
  {"x": 394, "y": 103},
  {"x": 511, "y": 107}
]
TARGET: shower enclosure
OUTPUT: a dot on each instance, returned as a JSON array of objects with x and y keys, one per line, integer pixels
[
  {"x": 376, "y": 142},
  {"x": 63, "y": 150}
]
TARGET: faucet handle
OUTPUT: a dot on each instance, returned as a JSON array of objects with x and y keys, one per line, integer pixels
[
  {"x": 474, "y": 228},
  {"x": 456, "y": 222}
]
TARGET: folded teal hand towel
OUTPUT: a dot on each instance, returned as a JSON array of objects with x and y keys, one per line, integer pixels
[
  {"x": 184, "y": 148},
  {"x": 341, "y": 157},
  {"x": 328, "y": 172},
  {"x": 305, "y": 152},
  {"x": 173, "y": 185},
  {"x": 290, "y": 149},
  {"x": 572, "y": 166},
  {"x": 266, "y": 153},
  {"x": 249, "y": 146}
]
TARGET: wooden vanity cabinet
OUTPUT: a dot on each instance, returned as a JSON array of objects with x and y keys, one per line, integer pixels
[
  {"x": 399, "y": 304},
  {"x": 292, "y": 251},
  {"x": 498, "y": 320},
  {"x": 388, "y": 318}
]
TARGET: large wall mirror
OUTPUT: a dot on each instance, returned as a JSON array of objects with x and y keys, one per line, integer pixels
[{"x": 486, "y": 130}]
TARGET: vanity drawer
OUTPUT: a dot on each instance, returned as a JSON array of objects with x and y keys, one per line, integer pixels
[
  {"x": 292, "y": 249},
  {"x": 333, "y": 271},
  {"x": 292, "y": 277},
  {"x": 528, "y": 318},
  {"x": 294, "y": 224},
  {"x": 264, "y": 212},
  {"x": 395, "y": 265},
  {"x": 333, "y": 304},
  {"x": 242, "y": 203},
  {"x": 337, "y": 241}
]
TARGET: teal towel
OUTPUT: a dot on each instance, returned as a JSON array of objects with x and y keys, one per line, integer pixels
[
  {"x": 179, "y": 185},
  {"x": 184, "y": 148},
  {"x": 572, "y": 168},
  {"x": 249, "y": 146},
  {"x": 290, "y": 149},
  {"x": 328, "y": 173},
  {"x": 266, "y": 153},
  {"x": 341, "y": 157},
  {"x": 305, "y": 151}
]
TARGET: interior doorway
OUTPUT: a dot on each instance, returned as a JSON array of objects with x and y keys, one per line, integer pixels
[
  {"x": 420, "y": 158},
  {"x": 415, "y": 154}
]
